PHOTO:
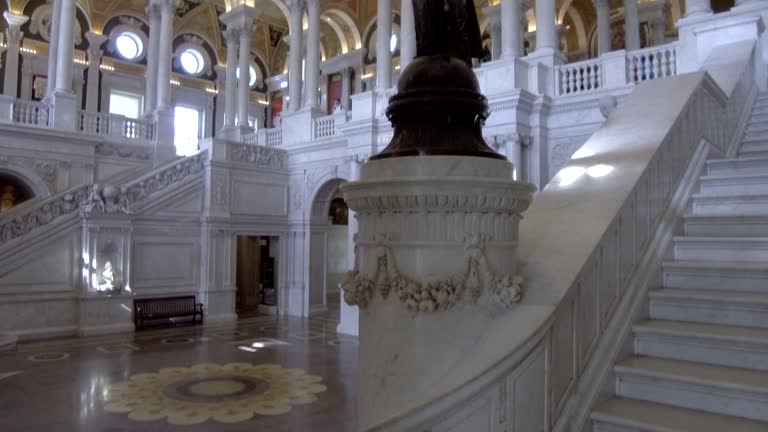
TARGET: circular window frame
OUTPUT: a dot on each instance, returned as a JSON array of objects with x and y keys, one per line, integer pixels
[
  {"x": 133, "y": 37},
  {"x": 255, "y": 73},
  {"x": 207, "y": 64},
  {"x": 198, "y": 58},
  {"x": 134, "y": 31}
]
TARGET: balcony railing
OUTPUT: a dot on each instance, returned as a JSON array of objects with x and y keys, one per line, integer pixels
[
  {"x": 651, "y": 63},
  {"x": 324, "y": 127},
  {"x": 579, "y": 77},
  {"x": 31, "y": 113},
  {"x": 116, "y": 126},
  {"x": 274, "y": 137}
]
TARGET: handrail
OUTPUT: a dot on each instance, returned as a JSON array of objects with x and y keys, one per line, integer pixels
[
  {"x": 583, "y": 287},
  {"x": 104, "y": 198}
]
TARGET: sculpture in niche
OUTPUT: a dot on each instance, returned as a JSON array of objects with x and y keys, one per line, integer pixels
[
  {"x": 447, "y": 27},
  {"x": 8, "y": 198},
  {"x": 338, "y": 212},
  {"x": 110, "y": 279}
]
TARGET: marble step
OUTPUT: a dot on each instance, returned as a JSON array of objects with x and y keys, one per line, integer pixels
[
  {"x": 707, "y": 275},
  {"x": 733, "y": 308},
  {"x": 694, "y": 248},
  {"x": 757, "y": 126},
  {"x": 734, "y": 183},
  {"x": 715, "y": 225},
  {"x": 744, "y": 347},
  {"x": 730, "y": 203},
  {"x": 737, "y": 166},
  {"x": 716, "y": 389},
  {"x": 760, "y": 108},
  {"x": 754, "y": 135},
  {"x": 8, "y": 341},
  {"x": 632, "y": 415},
  {"x": 754, "y": 147},
  {"x": 759, "y": 117}
]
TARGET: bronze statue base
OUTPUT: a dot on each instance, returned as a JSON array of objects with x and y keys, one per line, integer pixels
[{"x": 438, "y": 110}]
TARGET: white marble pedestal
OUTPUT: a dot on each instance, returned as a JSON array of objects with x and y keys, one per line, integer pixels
[{"x": 435, "y": 262}]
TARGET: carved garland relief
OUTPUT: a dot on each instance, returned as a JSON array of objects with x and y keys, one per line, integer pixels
[{"x": 421, "y": 296}]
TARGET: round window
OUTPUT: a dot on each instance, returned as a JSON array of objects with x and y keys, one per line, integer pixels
[
  {"x": 192, "y": 61},
  {"x": 252, "y": 76},
  {"x": 129, "y": 45}
]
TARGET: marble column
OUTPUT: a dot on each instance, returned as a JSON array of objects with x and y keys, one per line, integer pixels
[
  {"x": 66, "y": 47},
  {"x": 313, "y": 55},
  {"x": 346, "y": 88},
  {"x": 295, "y": 55},
  {"x": 165, "y": 55},
  {"x": 603, "y": 8},
  {"x": 349, "y": 316},
  {"x": 53, "y": 48},
  {"x": 95, "y": 41},
  {"x": 546, "y": 31},
  {"x": 383, "y": 38},
  {"x": 698, "y": 7},
  {"x": 26, "y": 77},
  {"x": 230, "y": 93},
  {"x": 221, "y": 98},
  {"x": 13, "y": 36},
  {"x": 659, "y": 27},
  {"x": 244, "y": 81},
  {"x": 407, "y": 34},
  {"x": 495, "y": 30},
  {"x": 631, "y": 26},
  {"x": 514, "y": 151},
  {"x": 150, "y": 92},
  {"x": 512, "y": 30}
]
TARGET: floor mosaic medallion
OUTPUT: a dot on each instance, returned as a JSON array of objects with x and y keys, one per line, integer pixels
[{"x": 227, "y": 393}]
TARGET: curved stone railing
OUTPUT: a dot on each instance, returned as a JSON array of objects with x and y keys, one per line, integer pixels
[
  {"x": 591, "y": 244},
  {"x": 98, "y": 198},
  {"x": 580, "y": 77}
]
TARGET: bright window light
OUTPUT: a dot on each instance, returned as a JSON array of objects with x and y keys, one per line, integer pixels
[
  {"x": 186, "y": 122},
  {"x": 597, "y": 171},
  {"x": 252, "y": 76},
  {"x": 393, "y": 42},
  {"x": 129, "y": 45},
  {"x": 569, "y": 175},
  {"x": 192, "y": 61},
  {"x": 125, "y": 104}
]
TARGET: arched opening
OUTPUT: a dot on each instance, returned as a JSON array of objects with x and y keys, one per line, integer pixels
[
  {"x": 13, "y": 191},
  {"x": 328, "y": 248}
]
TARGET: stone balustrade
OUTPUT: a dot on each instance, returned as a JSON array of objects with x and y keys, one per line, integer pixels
[
  {"x": 323, "y": 127},
  {"x": 31, "y": 113},
  {"x": 651, "y": 63},
  {"x": 579, "y": 77}
]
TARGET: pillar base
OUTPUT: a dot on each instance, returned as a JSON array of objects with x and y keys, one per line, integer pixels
[
  {"x": 165, "y": 149},
  {"x": 435, "y": 265},
  {"x": 64, "y": 110}
]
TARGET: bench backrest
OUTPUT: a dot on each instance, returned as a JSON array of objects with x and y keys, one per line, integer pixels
[{"x": 166, "y": 305}]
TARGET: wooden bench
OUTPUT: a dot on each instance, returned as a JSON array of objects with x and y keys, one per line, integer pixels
[{"x": 166, "y": 307}]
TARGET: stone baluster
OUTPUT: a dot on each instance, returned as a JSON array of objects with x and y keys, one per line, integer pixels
[
  {"x": 603, "y": 8},
  {"x": 13, "y": 36},
  {"x": 95, "y": 52},
  {"x": 295, "y": 55},
  {"x": 312, "y": 68},
  {"x": 631, "y": 26},
  {"x": 383, "y": 38},
  {"x": 150, "y": 92},
  {"x": 407, "y": 34}
]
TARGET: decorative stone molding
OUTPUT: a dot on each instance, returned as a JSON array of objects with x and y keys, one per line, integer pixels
[
  {"x": 42, "y": 19},
  {"x": 46, "y": 170},
  {"x": 444, "y": 293},
  {"x": 126, "y": 151},
  {"x": 258, "y": 155}
]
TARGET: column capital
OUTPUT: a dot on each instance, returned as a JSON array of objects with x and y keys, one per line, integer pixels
[
  {"x": 95, "y": 40},
  {"x": 153, "y": 10},
  {"x": 168, "y": 6},
  {"x": 15, "y": 21},
  {"x": 231, "y": 34}
]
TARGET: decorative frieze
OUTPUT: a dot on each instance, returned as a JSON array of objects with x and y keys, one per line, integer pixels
[{"x": 258, "y": 155}]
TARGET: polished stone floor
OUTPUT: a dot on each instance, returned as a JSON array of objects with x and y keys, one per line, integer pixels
[{"x": 265, "y": 374}]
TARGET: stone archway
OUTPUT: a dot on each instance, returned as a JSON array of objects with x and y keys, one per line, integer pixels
[{"x": 328, "y": 247}]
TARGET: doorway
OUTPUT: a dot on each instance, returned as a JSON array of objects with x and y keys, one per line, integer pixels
[{"x": 256, "y": 276}]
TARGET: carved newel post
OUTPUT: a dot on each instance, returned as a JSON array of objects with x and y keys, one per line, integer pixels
[{"x": 438, "y": 213}]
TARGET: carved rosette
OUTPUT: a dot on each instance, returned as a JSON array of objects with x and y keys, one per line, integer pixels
[{"x": 436, "y": 232}]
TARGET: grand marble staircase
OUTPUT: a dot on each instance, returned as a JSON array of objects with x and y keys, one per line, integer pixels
[{"x": 700, "y": 362}]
